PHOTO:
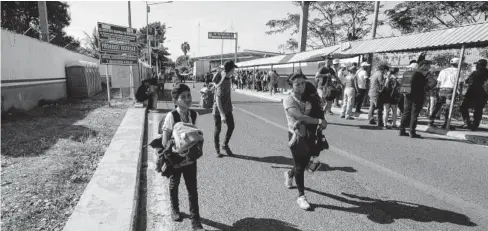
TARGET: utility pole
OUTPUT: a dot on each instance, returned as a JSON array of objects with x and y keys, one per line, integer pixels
[
  {"x": 304, "y": 26},
  {"x": 147, "y": 34},
  {"x": 131, "y": 81},
  {"x": 235, "y": 54},
  {"x": 43, "y": 23},
  {"x": 373, "y": 35}
]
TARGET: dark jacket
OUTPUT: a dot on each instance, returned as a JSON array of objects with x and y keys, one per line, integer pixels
[
  {"x": 418, "y": 87},
  {"x": 476, "y": 81}
]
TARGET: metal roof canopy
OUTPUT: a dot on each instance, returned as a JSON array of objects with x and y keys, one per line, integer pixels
[{"x": 472, "y": 35}]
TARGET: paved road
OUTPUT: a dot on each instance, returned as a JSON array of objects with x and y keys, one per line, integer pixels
[{"x": 373, "y": 180}]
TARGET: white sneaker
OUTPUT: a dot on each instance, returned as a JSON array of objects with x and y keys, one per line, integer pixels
[
  {"x": 303, "y": 203},
  {"x": 288, "y": 180}
]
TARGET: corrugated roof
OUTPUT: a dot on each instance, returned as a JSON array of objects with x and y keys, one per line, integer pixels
[
  {"x": 255, "y": 62},
  {"x": 452, "y": 37},
  {"x": 315, "y": 55}
]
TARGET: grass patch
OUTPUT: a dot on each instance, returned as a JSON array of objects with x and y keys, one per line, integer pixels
[{"x": 49, "y": 155}]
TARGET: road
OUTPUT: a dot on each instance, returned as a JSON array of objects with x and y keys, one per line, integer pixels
[{"x": 373, "y": 179}]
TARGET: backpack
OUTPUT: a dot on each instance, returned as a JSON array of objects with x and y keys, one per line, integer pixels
[
  {"x": 184, "y": 147},
  {"x": 406, "y": 82}
]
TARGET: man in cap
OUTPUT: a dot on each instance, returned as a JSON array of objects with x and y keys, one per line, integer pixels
[
  {"x": 476, "y": 95},
  {"x": 376, "y": 102},
  {"x": 362, "y": 78},
  {"x": 415, "y": 99},
  {"x": 323, "y": 82},
  {"x": 445, "y": 83},
  {"x": 222, "y": 109}
]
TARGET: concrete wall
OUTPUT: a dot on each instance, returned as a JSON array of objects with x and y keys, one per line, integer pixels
[{"x": 32, "y": 70}]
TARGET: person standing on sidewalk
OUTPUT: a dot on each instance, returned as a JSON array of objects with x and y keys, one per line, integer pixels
[
  {"x": 323, "y": 80},
  {"x": 350, "y": 89},
  {"x": 181, "y": 96},
  {"x": 376, "y": 101},
  {"x": 273, "y": 83},
  {"x": 415, "y": 99},
  {"x": 337, "y": 68},
  {"x": 295, "y": 110},
  {"x": 362, "y": 78},
  {"x": 476, "y": 96},
  {"x": 222, "y": 109},
  {"x": 390, "y": 96},
  {"x": 445, "y": 82}
]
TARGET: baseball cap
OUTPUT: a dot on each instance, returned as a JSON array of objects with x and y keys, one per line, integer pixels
[
  {"x": 343, "y": 65},
  {"x": 413, "y": 65},
  {"x": 454, "y": 61},
  {"x": 482, "y": 62},
  {"x": 229, "y": 65},
  {"x": 335, "y": 61},
  {"x": 365, "y": 64}
]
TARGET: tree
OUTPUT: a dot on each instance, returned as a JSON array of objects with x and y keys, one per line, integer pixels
[
  {"x": 91, "y": 44},
  {"x": 185, "y": 47},
  {"x": 411, "y": 17},
  {"x": 182, "y": 60},
  {"x": 336, "y": 21},
  {"x": 157, "y": 33},
  {"x": 23, "y": 17}
]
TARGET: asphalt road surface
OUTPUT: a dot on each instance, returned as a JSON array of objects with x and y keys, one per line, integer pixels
[{"x": 373, "y": 179}]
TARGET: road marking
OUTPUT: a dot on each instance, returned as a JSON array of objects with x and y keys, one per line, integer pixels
[{"x": 427, "y": 189}]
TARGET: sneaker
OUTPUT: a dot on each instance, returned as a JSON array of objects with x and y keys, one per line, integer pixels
[
  {"x": 288, "y": 180},
  {"x": 342, "y": 117},
  {"x": 314, "y": 166},
  {"x": 403, "y": 133},
  {"x": 176, "y": 215},
  {"x": 227, "y": 150},
  {"x": 219, "y": 155},
  {"x": 349, "y": 118},
  {"x": 303, "y": 203},
  {"x": 388, "y": 127},
  {"x": 197, "y": 225},
  {"x": 414, "y": 135},
  {"x": 372, "y": 122}
]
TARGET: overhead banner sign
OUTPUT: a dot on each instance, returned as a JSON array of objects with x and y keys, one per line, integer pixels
[
  {"x": 221, "y": 35},
  {"x": 118, "y": 59},
  {"x": 111, "y": 47}
]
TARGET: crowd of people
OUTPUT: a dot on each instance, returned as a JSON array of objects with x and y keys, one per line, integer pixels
[{"x": 305, "y": 109}]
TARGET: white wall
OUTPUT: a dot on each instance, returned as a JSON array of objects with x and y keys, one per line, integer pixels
[{"x": 26, "y": 58}]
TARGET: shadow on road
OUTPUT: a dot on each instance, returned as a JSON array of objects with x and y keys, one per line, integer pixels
[
  {"x": 251, "y": 224},
  {"x": 386, "y": 211},
  {"x": 281, "y": 160}
]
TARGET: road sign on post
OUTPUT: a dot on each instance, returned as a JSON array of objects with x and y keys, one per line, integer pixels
[
  {"x": 224, "y": 35},
  {"x": 117, "y": 46},
  {"x": 221, "y": 35}
]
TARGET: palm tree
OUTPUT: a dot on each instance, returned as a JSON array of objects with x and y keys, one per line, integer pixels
[{"x": 185, "y": 47}]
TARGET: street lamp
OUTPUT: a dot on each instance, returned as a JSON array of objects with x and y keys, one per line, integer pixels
[{"x": 147, "y": 26}]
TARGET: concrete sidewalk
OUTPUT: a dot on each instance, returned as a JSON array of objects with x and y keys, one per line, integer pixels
[{"x": 479, "y": 137}]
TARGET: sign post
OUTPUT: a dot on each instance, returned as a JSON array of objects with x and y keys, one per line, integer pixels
[
  {"x": 222, "y": 36},
  {"x": 117, "y": 46}
]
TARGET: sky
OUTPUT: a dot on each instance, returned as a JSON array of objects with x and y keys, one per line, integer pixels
[{"x": 247, "y": 18}]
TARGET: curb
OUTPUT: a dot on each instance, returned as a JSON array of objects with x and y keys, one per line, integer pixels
[{"x": 111, "y": 198}]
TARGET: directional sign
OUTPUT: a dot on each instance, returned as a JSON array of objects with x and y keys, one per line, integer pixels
[
  {"x": 221, "y": 35},
  {"x": 111, "y": 47},
  {"x": 118, "y": 59}
]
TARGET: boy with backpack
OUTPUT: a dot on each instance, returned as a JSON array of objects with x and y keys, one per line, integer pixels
[{"x": 178, "y": 139}]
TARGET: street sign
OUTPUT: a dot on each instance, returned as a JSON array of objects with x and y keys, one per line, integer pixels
[
  {"x": 111, "y": 47},
  {"x": 114, "y": 29},
  {"x": 221, "y": 35},
  {"x": 116, "y": 59}
]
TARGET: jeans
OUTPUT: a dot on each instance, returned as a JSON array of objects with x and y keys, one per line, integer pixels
[
  {"x": 300, "y": 162},
  {"x": 432, "y": 103},
  {"x": 360, "y": 98},
  {"x": 410, "y": 114},
  {"x": 376, "y": 103},
  {"x": 386, "y": 114},
  {"x": 444, "y": 101},
  {"x": 190, "y": 174},
  {"x": 348, "y": 102},
  {"x": 478, "y": 105},
  {"x": 229, "y": 118}
]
